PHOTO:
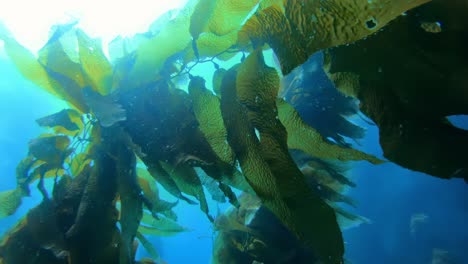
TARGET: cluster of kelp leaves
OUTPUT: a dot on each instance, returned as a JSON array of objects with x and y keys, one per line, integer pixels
[{"x": 130, "y": 125}]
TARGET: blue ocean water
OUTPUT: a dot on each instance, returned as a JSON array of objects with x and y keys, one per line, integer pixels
[{"x": 412, "y": 216}]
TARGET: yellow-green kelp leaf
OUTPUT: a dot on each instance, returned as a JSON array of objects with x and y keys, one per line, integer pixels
[
  {"x": 94, "y": 63},
  {"x": 188, "y": 182},
  {"x": 159, "y": 227},
  {"x": 300, "y": 28},
  {"x": 248, "y": 104},
  {"x": 26, "y": 62},
  {"x": 151, "y": 192},
  {"x": 206, "y": 107},
  {"x": 214, "y": 24},
  {"x": 153, "y": 52},
  {"x": 67, "y": 121},
  {"x": 78, "y": 163},
  {"x": 10, "y": 201},
  {"x": 305, "y": 138},
  {"x": 148, "y": 247},
  {"x": 32, "y": 70},
  {"x": 164, "y": 178},
  {"x": 22, "y": 172}
]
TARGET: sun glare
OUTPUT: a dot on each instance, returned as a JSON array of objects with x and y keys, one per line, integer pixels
[{"x": 30, "y": 21}]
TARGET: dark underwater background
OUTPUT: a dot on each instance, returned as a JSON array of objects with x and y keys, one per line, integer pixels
[{"x": 413, "y": 217}]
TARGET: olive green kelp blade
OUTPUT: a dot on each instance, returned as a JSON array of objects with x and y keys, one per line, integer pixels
[
  {"x": 161, "y": 226},
  {"x": 266, "y": 163},
  {"x": 305, "y": 138},
  {"x": 188, "y": 182}
]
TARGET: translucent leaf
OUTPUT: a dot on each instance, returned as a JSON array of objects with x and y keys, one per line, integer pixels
[
  {"x": 9, "y": 202},
  {"x": 67, "y": 121},
  {"x": 305, "y": 138},
  {"x": 94, "y": 63}
]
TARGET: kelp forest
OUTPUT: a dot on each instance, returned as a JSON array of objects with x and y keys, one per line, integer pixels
[{"x": 254, "y": 131}]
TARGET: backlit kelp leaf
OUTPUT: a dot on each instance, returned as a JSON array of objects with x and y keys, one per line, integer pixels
[
  {"x": 95, "y": 66},
  {"x": 214, "y": 24},
  {"x": 212, "y": 187},
  {"x": 307, "y": 139},
  {"x": 151, "y": 192},
  {"x": 59, "y": 55},
  {"x": 206, "y": 107},
  {"x": 50, "y": 149},
  {"x": 22, "y": 173},
  {"x": 32, "y": 70},
  {"x": 66, "y": 121},
  {"x": 217, "y": 80},
  {"x": 188, "y": 182},
  {"x": 45, "y": 171},
  {"x": 60, "y": 60},
  {"x": 305, "y": 27},
  {"x": 159, "y": 227},
  {"x": 152, "y": 53},
  {"x": 248, "y": 104},
  {"x": 10, "y": 201},
  {"x": 409, "y": 104},
  {"x": 149, "y": 247},
  {"x": 349, "y": 220},
  {"x": 78, "y": 163},
  {"x": 164, "y": 178},
  {"x": 26, "y": 62}
]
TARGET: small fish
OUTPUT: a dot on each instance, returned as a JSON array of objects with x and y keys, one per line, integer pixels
[
  {"x": 432, "y": 27},
  {"x": 416, "y": 221}
]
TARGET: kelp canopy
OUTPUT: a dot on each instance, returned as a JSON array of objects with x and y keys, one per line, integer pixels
[{"x": 133, "y": 121}]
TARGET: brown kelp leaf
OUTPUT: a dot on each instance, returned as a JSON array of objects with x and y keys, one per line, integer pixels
[
  {"x": 409, "y": 104},
  {"x": 305, "y": 138},
  {"x": 188, "y": 182},
  {"x": 248, "y": 104},
  {"x": 50, "y": 149},
  {"x": 67, "y": 121},
  {"x": 305, "y": 27},
  {"x": 22, "y": 173},
  {"x": 97, "y": 203},
  {"x": 131, "y": 209},
  {"x": 164, "y": 178},
  {"x": 37, "y": 236},
  {"x": 105, "y": 108}
]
